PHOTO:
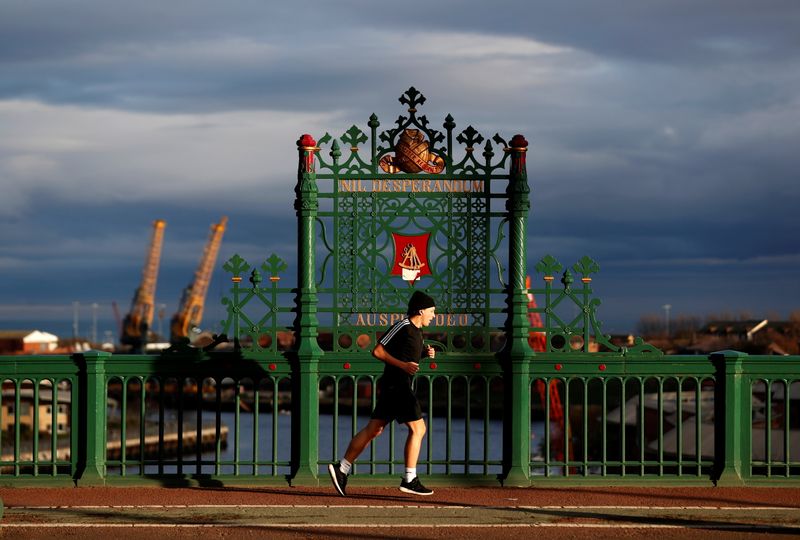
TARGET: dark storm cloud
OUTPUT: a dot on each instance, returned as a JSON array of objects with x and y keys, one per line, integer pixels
[
  {"x": 673, "y": 31},
  {"x": 192, "y": 56},
  {"x": 163, "y": 56}
]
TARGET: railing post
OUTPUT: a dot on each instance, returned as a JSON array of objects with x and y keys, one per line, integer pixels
[
  {"x": 517, "y": 352},
  {"x": 732, "y": 420},
  {"x": 91, "y": 431},
  {"x": 305, "y": 397}
]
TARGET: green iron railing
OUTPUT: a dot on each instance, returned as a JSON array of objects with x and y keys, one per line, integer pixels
[
  {"x": 635, "y": 420},
  {"x": 183, "y": 426},
  {"x": 728, "y": 418},
  {"x": 774, "y": 443},
  {"x": 624, "y": 414},
  {"x": 38, "y": 393},
  {"x": 462, "y": 402}
]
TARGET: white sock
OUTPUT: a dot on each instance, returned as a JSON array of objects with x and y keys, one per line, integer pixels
[
  {"x": 345, "y": 466},
  {"x": 411, "y": 473}
]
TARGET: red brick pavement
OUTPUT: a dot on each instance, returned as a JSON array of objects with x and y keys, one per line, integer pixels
[{"x": 303, "y": 497}]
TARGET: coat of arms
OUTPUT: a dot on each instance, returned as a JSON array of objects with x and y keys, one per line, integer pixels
[
  {"x": 412, "y": 155},
  {"x": 411, "y": 257}
]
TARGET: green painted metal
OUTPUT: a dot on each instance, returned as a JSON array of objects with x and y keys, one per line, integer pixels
[
  {"x": 734, "y": 455},
  {"x": 632, "y": 414},
  {"x": 92, "y": 404},
  {"x": 184, "y": 414},
  {"x": 308, "y": 350},
  {"x": 362, "y": 209},
  {"x": 737, "y": 401}
]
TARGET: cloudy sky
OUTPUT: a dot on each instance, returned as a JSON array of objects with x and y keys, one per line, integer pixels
[{"x": 665, "y": 137}]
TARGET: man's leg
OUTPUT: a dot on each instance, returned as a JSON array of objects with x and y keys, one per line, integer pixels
[
  {"x": 411, "y": 483},
  {"x": 364, "y": 437},
  {"x": 416, "y": 432},
  {"x": 360, "y": 441}
]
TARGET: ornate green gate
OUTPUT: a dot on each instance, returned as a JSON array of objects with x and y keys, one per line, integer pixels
[
  {"x": 381, "y": 214},
  {"x": 408, "y": 215}
]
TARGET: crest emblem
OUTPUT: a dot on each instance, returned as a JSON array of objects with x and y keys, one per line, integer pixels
[
  {"x": 412, "y": 155},
  {"x": 411, "y": 257}
]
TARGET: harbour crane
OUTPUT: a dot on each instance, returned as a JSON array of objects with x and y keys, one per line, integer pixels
[
  {"x": 136, "y": 324},
  {"x": 190, "y": 311}
]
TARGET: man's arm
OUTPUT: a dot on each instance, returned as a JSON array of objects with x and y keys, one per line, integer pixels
[{"x": 383, "y": 355}]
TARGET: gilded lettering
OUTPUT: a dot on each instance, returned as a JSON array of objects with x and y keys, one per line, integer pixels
[
  {"x": 412, "y": 185},
  {"x": 386, "y": 319}
]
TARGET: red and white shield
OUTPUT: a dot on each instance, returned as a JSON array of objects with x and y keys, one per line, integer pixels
[{"x": 411, "y": 256}]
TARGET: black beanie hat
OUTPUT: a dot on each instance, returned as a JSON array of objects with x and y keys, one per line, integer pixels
[{"x": 419, "y": 300}]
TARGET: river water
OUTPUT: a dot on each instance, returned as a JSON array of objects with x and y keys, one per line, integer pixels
[{"x": 332, "y": 444}]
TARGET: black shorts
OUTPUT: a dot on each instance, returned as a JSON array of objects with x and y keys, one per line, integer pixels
[{"x": 396, "y": 401}]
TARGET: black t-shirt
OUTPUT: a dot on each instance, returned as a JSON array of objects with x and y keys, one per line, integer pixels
[{"x": 403, "y": 340}]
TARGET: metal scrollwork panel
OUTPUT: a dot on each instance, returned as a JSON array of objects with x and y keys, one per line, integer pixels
[{"x": 406, "y": 215}]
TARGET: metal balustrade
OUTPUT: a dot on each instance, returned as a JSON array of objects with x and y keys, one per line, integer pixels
[
  {"x": 623, "y": 426},
  {"x": 775, "y": 430},
  {"x": 676, "y": 419}
]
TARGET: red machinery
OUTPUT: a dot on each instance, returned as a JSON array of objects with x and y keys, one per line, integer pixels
[{"x": 538, "y": 342}]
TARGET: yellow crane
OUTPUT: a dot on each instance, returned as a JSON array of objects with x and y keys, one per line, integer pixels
[
  {"x": 190, "y": 311},
  {"x": 135, "y": 326}
]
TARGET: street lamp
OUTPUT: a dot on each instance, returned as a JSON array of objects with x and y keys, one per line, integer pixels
[
  {"x": 667, "y": 307},
  {"x": 75, "y": 308},
  {"x": 95, "y": 305}
]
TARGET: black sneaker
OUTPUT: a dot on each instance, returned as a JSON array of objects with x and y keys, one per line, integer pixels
[
  {"x": 338, "y": 478},
  {"x": 415, "y": 487}
]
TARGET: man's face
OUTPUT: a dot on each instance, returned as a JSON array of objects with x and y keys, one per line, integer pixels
[{"x": 427, "y": 315}]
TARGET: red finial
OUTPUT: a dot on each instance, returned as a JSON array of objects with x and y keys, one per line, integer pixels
[
  {"x": 306, "y": 141},
  {"x": 518, "y": 141}
]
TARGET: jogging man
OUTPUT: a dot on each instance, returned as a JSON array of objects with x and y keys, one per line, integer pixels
[{"x": 400, "y": 349}]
